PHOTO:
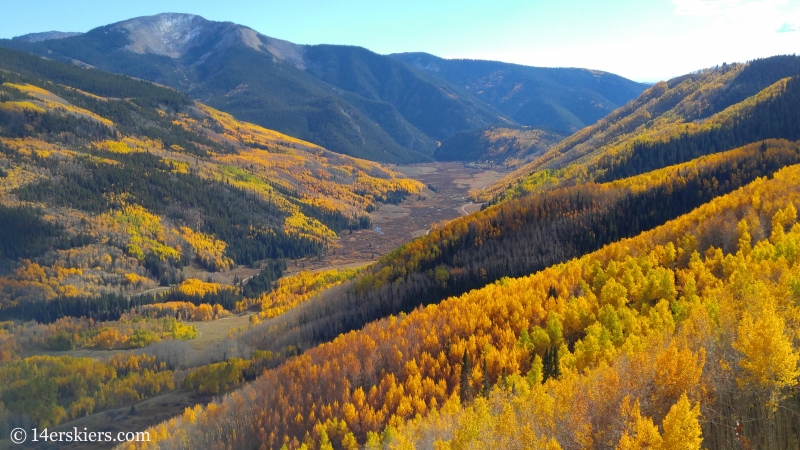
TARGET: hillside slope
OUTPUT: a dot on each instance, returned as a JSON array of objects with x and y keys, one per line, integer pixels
[
  {"x": 705, "y": 112},
  {"x": 111, "y": 184},
  {"x": 509, "y": 147},
  {"x": 628, "y": 345},
  {"x": 531, "y": 230},
  {"x": 516, "y": 238}
]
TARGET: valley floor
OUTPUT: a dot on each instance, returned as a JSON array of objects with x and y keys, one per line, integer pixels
[{"x": 444, "y": 198}]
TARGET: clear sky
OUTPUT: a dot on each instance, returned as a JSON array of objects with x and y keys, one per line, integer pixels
[{"x": 645, "y": 40}]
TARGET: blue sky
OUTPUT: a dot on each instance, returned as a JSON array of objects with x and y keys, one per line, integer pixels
[{"x": 645, "y": 40}]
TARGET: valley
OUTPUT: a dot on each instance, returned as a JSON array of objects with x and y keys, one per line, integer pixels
[
  {"x": 261, "y": 244},
  {"x": 444, "y": 198}
]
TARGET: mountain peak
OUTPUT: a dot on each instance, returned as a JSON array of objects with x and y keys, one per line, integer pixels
[
  {"x": 174, "y": 34},
  {"x": 167, "y": 34}
]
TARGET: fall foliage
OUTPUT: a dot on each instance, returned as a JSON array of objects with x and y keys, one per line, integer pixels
[
  {"x": 651, "y": 334},
  {"x": 100, "y": 203}
]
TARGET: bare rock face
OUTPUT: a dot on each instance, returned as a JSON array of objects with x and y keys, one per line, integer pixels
[{"x": 166, "y": 34}]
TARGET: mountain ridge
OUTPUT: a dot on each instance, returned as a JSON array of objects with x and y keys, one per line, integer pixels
[
  {"x": 345, "y": 98},
  {"x": 508, "y": 87},
  {"x": 46, "y": 36}
]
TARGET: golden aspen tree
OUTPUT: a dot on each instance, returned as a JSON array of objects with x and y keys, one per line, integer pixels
[
  {"x": 475, "y": 422},
  {"x": 769, "y": 359},
  {"x": 745, "y": 240},
  {"x": 324, "y": 441},
  {"x": 349, "y": 442},
  {"x": 645, "y": 433},
  {"x": 682, "y": 427}
]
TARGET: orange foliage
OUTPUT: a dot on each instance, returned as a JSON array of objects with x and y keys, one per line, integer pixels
[{"x": 642, "y": 316}]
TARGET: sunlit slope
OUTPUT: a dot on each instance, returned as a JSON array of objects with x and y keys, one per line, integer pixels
[
  {"x": 111, "y": 183},
  {"x": 516, "y": 238},
  {"x": 628, "y": 340},
  {"x": 672, "y": 122}
]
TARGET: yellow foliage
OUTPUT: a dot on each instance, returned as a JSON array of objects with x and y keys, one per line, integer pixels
[
  {"x": 135, "y": 279},
  {"x": 769, "y": 358},
  {"x": 54, "y": 102},
  {"x": 643, "y": 435},
  {"x": 21, "y": 107},
  {"x": 296, "y": 289},
  {"x": 128, "y": 145},
  {"x": 210, "y": 251},
  {"x": 147, "y": 234},
  {"x": 682, "y": 427},
  {"x": 182, "y": 310},
  {"x": 194, "y": 287}
]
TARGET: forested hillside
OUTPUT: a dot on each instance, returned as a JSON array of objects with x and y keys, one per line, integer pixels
[
  {"x": 665, "y": 339},
  {"x": 507, "y": 147},
  {"x": 113, "y": 185},
  {"x": 701, "y": 113},
  {"x": 516, "y": 238},
  {"x": 682, "y": 337}
]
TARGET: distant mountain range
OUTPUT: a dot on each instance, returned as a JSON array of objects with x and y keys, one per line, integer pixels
[
  {"x": 564, "y": 100},
  {"x": 347, "y": 99}
]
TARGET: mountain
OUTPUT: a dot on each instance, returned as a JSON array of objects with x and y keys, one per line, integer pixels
[
  {"x": 432, "y": 105},
  {"x": 95, "y": 164},
  {"x": 347, "y": 99},
  {"x": 561, "y": 99},
  {"x": 354, "y": 109}
]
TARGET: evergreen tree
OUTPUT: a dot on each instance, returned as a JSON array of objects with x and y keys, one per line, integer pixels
[{"x": 466, "y": 373}]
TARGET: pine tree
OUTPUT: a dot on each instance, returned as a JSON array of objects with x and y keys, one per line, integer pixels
[
  {"x": 466, "y": 371},
  {"x": 487, "y": 383},
  {"x": 550, "y": 362}
]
